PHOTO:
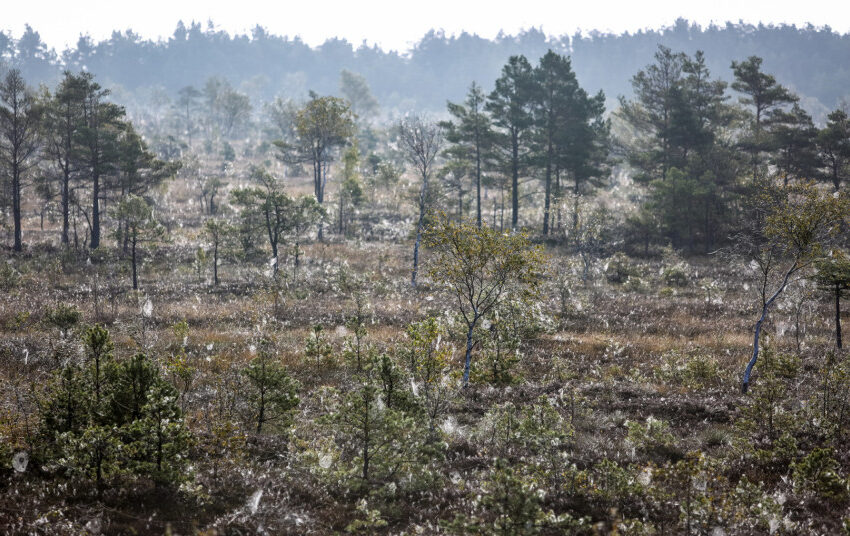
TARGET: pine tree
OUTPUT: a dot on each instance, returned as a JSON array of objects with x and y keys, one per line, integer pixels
[
  {"x": 833, "y": 276},
  {"x": 97, "y": 141},
  {"x": 509, "y": 105},
  {"x": 471, "y": 133},
  {"x": 20, "y": 140},
  {"x": 767, "y": 98},
  {"x": 273, "y": 394}
]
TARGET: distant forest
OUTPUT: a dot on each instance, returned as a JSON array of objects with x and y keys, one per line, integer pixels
[{"x": 813, "y": 62}]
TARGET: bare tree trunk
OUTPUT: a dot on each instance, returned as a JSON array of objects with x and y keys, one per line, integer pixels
[
  {"x": 514, "y": 182},
  {"x": 16, "y": 204},
  {"x": 135, "y": 277},
  {"x": 66, "y": 195},
  {"x": 478, "y": 181},
  {"x": 757, "y": 331},
  {"x": 468, "y": 359},
  {"x": 95, "y": 212},
  {"x": 838, "y": 315},
  {"x": 215, "y": 263},
  {"x": 547, "y": 200},
  {"x": 419, "y": 227}
]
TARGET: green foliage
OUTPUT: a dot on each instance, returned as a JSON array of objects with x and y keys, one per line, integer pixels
[
  {"x": 833, "y": 272},
  {"x": 511, "y": 504},
  {"x": 351, "y": 195},
  {"x": 501, "y": 337},
  {"x": 63, "y": 317},
  {"x": 691, "y": 371},
  {"x": 316, "y": 347},
  {"x": 267, "y": 211},
  {"x": 393, "y": 382},
  {"x": 482, "y": 267},
  {"x": 356, "y": 90},
  {"x": 112, "y": 419},
  {"x": 382, "y": 450},
  {"x": 354, "y": 348},
  {"x": 511, "y": 432},
  {"x": 767, "y": 412},
  {"x": 832, "y": 398},
  {"x": 228, "y": 153},
  {"x": 696, "y": 487},
  {"x": 159, "y": 440},
  {"x": 220, "y": 234},
  {"x": 819, "y": 473},
  {"x": 320, "y": 126},
  {"x": 652, "y": 437},
  {"x": 428, "y": 359},
  {"x": 138, "y": 225},
  {"x": 676, "y": 274},
  {"x": 66, "y": 407},
  {"x": 620, "y": 269},
  {"x": 272, "y": 394},
  {"x": 368, "y": 520},
  {"x": 9, "y": 277},
  {"x": 129, "y": 383},
  {"x": 679, "y": 120}
]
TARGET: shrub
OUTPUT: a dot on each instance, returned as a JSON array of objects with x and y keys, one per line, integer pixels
[
  {"x": 676, "y": 275},
  {"x": 652, "y": 437},
  {"x": 110, "y": 418},
  {"x": 63, "y": 317},
  {"x": 511, "y": 504},
  {"x": 818, "y": 473},
  {"x": 619, "y": 269}
]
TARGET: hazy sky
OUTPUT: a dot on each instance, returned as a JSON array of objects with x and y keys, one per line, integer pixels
[{"x": 397, "y": 24}]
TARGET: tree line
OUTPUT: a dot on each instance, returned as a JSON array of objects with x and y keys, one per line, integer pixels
[
  {"x": 530, "y": 152},
  {"x": 438, "y": 66}
]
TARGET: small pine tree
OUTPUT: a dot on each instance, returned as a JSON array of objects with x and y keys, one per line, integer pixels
[
  {"x": 429, "y": 358},
  {"x": 113, "y": 418},
  {"x": 833, "y": 276},
  {"x": 272, "y": 394},
  {"x": 317, "y": 348},
  {"x": 379, "y": 444},
  {"x": 160, "y": 439}
]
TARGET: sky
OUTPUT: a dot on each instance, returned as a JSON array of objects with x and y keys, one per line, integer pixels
[{"x": 397, "y": 24}]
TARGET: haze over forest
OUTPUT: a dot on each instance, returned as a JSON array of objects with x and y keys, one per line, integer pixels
[
  {"x": 543, "y": 285},
  {"x": 811, "y": 61}
]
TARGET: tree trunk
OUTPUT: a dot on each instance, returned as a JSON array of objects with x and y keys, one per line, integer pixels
[
  {"x": 66, "y": 197},
  {"x": 215, "y": 263},
  {"x": 547, "y": 200},
  {"x": 548, "y": 187},
  {"x": 341, "y": 207},
  {"x": 514, "y": 181},
  {"x": 419, "y": 228},
  {"x": 133, "y": 253},
  {"x": 16, "y": 204},
  {"x": 366, "y": 437},
  {"x": 757, "y": 331},
  {"x": 558, "y": 197},
  {"x": 262, "y": 414},
  {"x": 478, "y": 182},
  {"x": 95, "y": 212},
  {"x": 468, "y": 359},
  {"x": 838, "y": 315},
  {"x": 317, "y": 188}
]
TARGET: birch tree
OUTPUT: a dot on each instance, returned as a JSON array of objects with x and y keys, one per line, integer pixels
[{"x": 421, "y": 141}]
